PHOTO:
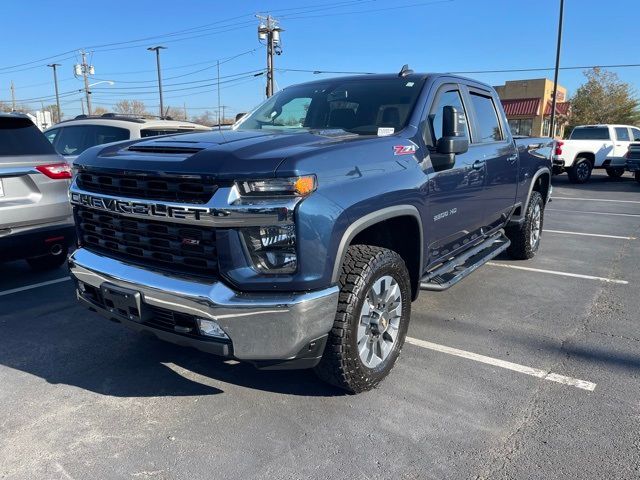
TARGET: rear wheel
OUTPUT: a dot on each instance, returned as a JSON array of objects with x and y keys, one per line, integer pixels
[
  {"x": 50, "y": 261},
  {"x": 525, "y": 238},
  {"x": 580, "y": 172},
  {"x": 371, "y": 322},
  {"x": 616, "y": 172}
]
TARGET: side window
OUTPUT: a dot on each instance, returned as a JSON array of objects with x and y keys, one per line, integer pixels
[
  {"x": 488, "y": 125},
  {"x": 636, "y": 134},
  {"x": 450, "y": 98},
  {"x": 622, "y": 134}
]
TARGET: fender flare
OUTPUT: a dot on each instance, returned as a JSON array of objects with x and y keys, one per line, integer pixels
[
  {"x": 371, "y": 219},
  {"x": 532, "y": 184}
]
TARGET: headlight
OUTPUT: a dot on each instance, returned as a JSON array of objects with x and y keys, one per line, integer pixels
[
  {"x": 272, "y": 249},
  {"x": 293, "y": 186}
]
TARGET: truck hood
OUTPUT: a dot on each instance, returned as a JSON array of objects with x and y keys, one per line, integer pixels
[{"x": 227, "y": 154}]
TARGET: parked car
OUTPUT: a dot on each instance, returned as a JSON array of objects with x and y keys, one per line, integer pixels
[
  {"x": 300, "y": 238},
  {"x": 594, "y": 146},
  {"x": 633, "y": 160},
  {"x": 35, "y": 215},
  {"x": 72, "y": 137}
]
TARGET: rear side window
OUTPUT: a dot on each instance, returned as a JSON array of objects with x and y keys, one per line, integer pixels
[
  {"x": 19, "y": 136},
  {"x": 75, "y": 139},
  {"x": 487, "y": 117},
  {"x": 622, "y": 134},
  {"x": 636, "y": 134},
  {"x": 590, "y": 133}
]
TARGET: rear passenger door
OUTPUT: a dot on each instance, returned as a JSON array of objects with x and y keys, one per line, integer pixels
[
  {"x": 621, "y": 145},
  {"x": 492, "y": 145}
]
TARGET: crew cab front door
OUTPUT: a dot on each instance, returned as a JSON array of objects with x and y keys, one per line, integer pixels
[{"x": 454, "y": 208}]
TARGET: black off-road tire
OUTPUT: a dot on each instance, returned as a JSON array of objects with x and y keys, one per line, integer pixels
[
  {"x": 341, "y": 364},
  {"x": 580, "y": 171},
  {"x": 615, "y": 172},
  {"x": 50, "y": 261},
  {"x": 521, "y": 247}
]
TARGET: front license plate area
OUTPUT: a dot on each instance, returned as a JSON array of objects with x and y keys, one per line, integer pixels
[{"x": 123, "y": 302}]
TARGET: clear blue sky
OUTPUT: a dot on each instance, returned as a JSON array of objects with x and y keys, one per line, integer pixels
[{"x": 347, "y": 35}]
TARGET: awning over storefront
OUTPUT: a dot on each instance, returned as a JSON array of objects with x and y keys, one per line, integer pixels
[
  {"x": 562, "y": 108},
  {"x": 522, "y": 107}
]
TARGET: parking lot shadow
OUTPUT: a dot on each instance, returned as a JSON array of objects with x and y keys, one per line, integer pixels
[
  {"x": 599, "y": 182},
  {"x": 67, "y": 346}
]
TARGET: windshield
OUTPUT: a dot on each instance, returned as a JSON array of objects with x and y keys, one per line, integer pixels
[
  {"x": 590, "y": 133},
  {"x": 367, "y": 106}
]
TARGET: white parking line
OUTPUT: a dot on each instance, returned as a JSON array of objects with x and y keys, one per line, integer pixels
[
  {"x": 564, "y": 274},
  {"x": 594, "y": 213},
  {"x": 595, "y": 199},
  {"x": 35, "y": 285},
  {"x": 564, "y": 232},
  {"x": 535, "y": 372}
]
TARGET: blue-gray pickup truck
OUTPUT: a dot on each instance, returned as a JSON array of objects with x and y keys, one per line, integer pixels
[{"x": 299, "y": 238}]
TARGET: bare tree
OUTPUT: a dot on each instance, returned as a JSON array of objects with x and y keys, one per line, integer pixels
[
  {"x": 207, "y": 118},
  {"x": 174, "y": 113},
  {"x": 55, "y": 115},
  {"x": 131, "y": 107},
  {"x": 99, "y": 111}
]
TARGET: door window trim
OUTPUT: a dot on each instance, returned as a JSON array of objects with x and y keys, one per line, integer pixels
[
  {"x": 468, "y": 91},
  {"x": 440, "y": 90}
]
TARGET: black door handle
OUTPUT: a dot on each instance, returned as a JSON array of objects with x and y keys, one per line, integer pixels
[{"x": 478, "y": 164}]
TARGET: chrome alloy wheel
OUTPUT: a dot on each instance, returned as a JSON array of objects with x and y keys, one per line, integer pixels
[
  {"x": 379, "y": 321},
  {"x": 536, "y": 226}
]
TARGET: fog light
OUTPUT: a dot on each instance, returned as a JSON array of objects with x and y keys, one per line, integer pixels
[{"x": 210, "y": 328}]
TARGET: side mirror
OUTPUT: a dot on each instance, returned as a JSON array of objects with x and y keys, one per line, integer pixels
[
  {"x": 452, "y": 141},
  {"x": 240, "y": 115}
]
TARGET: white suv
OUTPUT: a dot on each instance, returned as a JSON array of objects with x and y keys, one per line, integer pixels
[{"x": 72, "y": 137}]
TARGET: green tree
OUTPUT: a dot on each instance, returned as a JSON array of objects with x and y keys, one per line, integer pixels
[{"x": 603, "y": 98}]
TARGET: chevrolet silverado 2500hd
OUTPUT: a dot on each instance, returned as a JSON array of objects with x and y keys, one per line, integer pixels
[{"x": 300, "y": 238}]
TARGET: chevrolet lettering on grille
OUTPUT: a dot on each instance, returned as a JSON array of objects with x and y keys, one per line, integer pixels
[{"x": 138, "y": 208}]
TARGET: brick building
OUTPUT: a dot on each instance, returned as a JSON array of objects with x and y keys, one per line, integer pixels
[{"x": 527, "y": 104}]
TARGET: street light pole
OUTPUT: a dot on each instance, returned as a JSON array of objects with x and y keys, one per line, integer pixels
[
  {"x": 55, "y": 83},
  {"x": 157, "y": 50},
  {"x": 555, "y": 74},
  {"x": 86, "y": 70}
]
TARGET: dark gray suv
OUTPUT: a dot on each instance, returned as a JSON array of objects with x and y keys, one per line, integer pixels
[{"x": 35, "y": 216}]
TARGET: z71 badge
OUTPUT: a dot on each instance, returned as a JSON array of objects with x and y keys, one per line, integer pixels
[{"x": 404, "y": 149}]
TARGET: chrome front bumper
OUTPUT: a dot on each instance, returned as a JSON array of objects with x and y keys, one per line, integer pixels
[{"x": 261, "y": 326}]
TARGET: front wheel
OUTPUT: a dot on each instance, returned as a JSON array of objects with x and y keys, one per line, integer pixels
[
  {"x": 525, "y": 238},
  {"x": 581, "y": 170},
  {"x": 616, "y": 172},
  {"x": 371, "y": 322}
]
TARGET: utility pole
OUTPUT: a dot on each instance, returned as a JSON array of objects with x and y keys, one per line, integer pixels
[
  {"x": 184, "y": 105},
  {"x": 223, "y": 107},
  {"x": 555, "y": 75},
  {"x": 269, "y": 31},
  {"x": 82, "y": 105},
  {"x": 85, "y": 70},
  {"x": 13, "y": 97},
  {"x": 157, "y": 50},
  {"x": 55, "y": 83},
  {"x": 218, "y": 88}
]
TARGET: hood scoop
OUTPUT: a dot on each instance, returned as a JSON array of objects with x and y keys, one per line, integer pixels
[{"x": 165, "y": 149}]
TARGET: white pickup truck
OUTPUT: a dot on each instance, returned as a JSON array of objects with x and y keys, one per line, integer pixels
[{"x": 594, "y": 146}]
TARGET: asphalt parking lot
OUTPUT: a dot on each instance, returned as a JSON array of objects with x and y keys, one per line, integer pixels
[{"x": 513, "y": 373}]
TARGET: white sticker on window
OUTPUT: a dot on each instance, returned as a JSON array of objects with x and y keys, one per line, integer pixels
[
  {"x": 410, "y": 84},
  {"x": 384, "y": 131}
]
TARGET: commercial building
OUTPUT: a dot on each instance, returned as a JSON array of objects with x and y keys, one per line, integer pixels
[{"x": 527, "y": 104}]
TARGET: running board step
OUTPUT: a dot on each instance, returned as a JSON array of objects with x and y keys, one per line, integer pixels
[{"x": 459, "y": 267}]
